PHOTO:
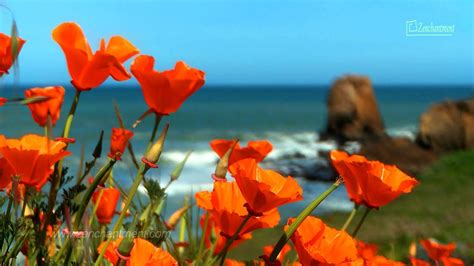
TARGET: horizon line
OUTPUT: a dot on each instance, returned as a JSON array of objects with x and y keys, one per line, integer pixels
[{"x": 248, "y": 85}]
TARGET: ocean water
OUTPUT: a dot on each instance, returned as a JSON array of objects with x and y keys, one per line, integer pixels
[{"x": 289, "y": 116}]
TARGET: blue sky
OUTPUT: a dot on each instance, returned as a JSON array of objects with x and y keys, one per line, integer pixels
[{"x": 262, "y": 42}]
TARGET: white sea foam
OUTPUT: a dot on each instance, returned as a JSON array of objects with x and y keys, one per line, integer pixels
[
  {"x": 304, "y": 143},
  {"x": 197, "y": 158},
  {"x": 196, "y": 175},
  {"x": 284, "y": 144},
  {"x": 408, "y": 131}
]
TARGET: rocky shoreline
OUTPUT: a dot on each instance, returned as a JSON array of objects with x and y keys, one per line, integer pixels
[{"x": 355, "y": 124}]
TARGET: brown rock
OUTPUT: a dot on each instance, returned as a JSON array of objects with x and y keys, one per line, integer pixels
[
  {"x": 448, "y": 126},
  {"x": 402, "y": 152},
  {"x": 352, "y": 109}
]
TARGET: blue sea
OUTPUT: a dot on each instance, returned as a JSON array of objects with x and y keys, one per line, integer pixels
[{"x": 289, "y": 116}]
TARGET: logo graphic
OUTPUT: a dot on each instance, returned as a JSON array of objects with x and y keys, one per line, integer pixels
[{"x": 414, "y": 28}]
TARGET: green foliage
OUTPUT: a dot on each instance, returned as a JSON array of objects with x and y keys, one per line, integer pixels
[
  {"x": 69, "y": 198},
  {"x": 69, "y": 194},
  {"x": 155, "y": 192}
]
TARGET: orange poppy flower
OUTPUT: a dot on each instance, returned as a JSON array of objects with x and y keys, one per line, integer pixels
[
  {"x": 381, "y": 260},
  {"x": 212, "y": 234},
  {"x": 264, "y": 190},
  {"x": 437, "y": 251},
  {"x": 32, "y": 158},
  {"x": 89, "y": 70},
  {"x": 49, "y": 108},
  {"x": 367, "y": 255},
  {"x": 256, "y": 149},
  {"x": 452, "y": 262},
  {"x": 3, "y": 101},
  {"x": 119, "y": 141},
  {"x": 143, "y": 253},
  {"x": 366, "y": 251},
  {"x": 6, "y": 53},
  {"x": 226, "y": 207},
  {"x": 106, "y": 204},
  {"x": 317, "y": 243},
  {"x": 229, "y": 262},
  {"x": 5, "y": 168},
  {"x": 418, "y": 262},
  {"x": 371, "y": 182},
  {"x": 164, "y": 92}
]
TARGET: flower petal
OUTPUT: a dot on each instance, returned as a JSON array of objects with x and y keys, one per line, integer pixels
[{"x": 75, "y": 47}]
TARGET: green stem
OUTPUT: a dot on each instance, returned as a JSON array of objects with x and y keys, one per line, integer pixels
[
  {"x": 133, "y": 190},
  {"x": 96, "y": 206},
  {"x": 350, "y": 217},
  {"x": 127, "y": 243},
  {"x": 56, "y": 177},
  {"x": 203, "y": 238},
  {"x": 16, "y": 248},
  {"x": 153, "y": 133},
  {"x": 103, "y": 232},
  {"x": 87, "y": 171},
  {"x": 84, "y": 202},
  {"x": 10, "y": 205},
  {"x": 300, "y": 218},
  {"x": 149, "y": 217},
  {"x": 72, "y": 112},
  {"x": 210, "y": 260},
  {"x": 7, "y": 216},
  {"x": 90, "y": 190},
  {"x": 25, "y": 202},
  {"x": 359, "y": 225},
  {"x": 229, "y": 242}
]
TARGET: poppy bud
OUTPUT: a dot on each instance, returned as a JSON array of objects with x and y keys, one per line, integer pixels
[
  {"x": 46, "y": 113},
  {"x": 11, "y": 46},
  {"x": 98, "y": 148},
  {"x": 175, "y": 217},
  {"x": 119, "y": 141},
  {"x": 153, "y": 155},
  {"x": 179, "y": 168},
  {"x": 106, "y": 200},
  {"x": 221, "y": 168}
]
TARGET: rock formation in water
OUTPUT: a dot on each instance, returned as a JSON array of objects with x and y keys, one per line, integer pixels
[
  {"x": 448, "y": 126},
  {"x": 353, "y": 113}
]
